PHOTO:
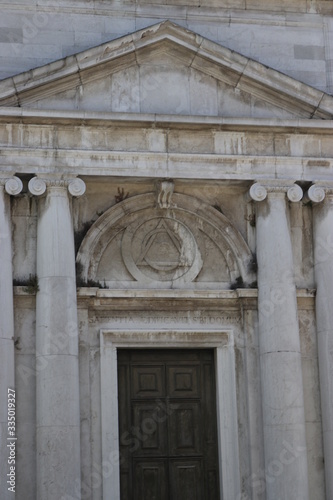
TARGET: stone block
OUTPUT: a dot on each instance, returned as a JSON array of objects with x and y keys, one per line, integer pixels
[
  {"x": 119, "y": 25},
  {"x": 208, "y": 30},
  {"x": 312, "y": 406},
  {"x": 11, "y": 19},
  {"x": 233, "y": 102},
  {"x": 58, "y": 407},
  {"x": 203, "y": 94},
  {"x": 304, "y": 145},
  {"x": 125, "y": 90},
  {"x": 91, "y": 23},
  {"x": 314, "y": 441},
  {"x": 25, "y": 332},
  {"x": 9, "y": 35},
  {"x": 230, "y": 143},
  {"x": 173, "y": 85},
  {"x": 156, "y": 141},
  {"x": 309, "y": 52},
  {"x": 87, "y": 38},
  {"x": 190, "y": 142},
  {"x": 63, "y": 100},
  {"x": 61, "y": 337},
  {"x": 263, "y": 147},
  {"x": 279, "y": 6},
  {"x": 54, "y": 445},
  {"x": 96, "y": 95},
  {"x": 284, "y": 404},
  {"x": 316, "y": 79},
  {"x": 326, "y": 147},
  {"x": 26, "y": 461}
]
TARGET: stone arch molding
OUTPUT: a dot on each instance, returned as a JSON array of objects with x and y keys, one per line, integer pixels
[{"x": 140, "y": 243}]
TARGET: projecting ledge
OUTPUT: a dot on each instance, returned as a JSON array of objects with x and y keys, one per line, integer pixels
[{"x": 151, "y": 294}]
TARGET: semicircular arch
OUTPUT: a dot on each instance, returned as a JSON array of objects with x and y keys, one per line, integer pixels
[{"x": 137, "y": 244}]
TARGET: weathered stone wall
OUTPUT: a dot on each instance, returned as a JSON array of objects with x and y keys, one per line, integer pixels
[
  {"x": 294, "y": 37},
  {"x": 98, "y": 311}
]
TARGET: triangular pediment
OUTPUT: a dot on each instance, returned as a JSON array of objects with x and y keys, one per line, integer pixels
[{"x": 165, "y": 69}]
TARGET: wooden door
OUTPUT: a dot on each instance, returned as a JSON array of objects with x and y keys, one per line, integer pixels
[{"x": 167, "y": 425}]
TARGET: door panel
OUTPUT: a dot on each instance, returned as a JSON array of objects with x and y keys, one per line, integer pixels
[
  {"x": 150, "y": 480},
  {"x": 148, "y": 381},
  {"x": 151, "y": 431},
  {"x": 186, "y": 480},
  {"x": 184, "y": 430},
  {"x": 167, "y": 425},
  {"x": 183, "y": 381}
]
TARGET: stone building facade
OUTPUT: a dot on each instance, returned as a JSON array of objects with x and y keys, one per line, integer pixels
[{"x": 166, "y": 250}]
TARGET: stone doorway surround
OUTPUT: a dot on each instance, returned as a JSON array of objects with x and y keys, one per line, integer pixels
[{"x": 223, "y": 343}]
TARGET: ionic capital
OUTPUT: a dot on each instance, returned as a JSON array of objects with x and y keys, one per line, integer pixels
[
  {"x": 13, "y": 185},
  {"x": 318, "y": 191},
  {"x": 38, "y": 186},
  {"x": 260, "y": 190}
]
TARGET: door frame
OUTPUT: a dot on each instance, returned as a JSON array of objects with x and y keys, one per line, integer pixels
[{"x": 226, "y": 401}]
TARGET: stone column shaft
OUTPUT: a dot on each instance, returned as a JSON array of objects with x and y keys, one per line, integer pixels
[
  {"x": 279, "y": 346},
  {"x": 57, "y": 366},
  {"x": 7, "y": 357},
  {"x": 323, "y": 263}
]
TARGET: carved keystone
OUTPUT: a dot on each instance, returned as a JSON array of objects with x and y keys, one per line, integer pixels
[{"x": 164, "y": 193}]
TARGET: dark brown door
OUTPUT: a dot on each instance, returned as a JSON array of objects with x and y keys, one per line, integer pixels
[{"x": 167, "y": 425}]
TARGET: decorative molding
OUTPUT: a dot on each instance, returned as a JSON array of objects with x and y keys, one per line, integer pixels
[
  {"x": 160, "y": 249},
  {"x": 164, "y": 193},
  {"x": 197, "y": 52},
  {"x": 318, "y": 191},
  {"x": 13, "y": 185},
  {"x": 149, "y": 164},
  {"x": 76, "y": 187},
  {"x": 259, "y": 191},
  {"x": 153, "y": 120},
  {"x": 295, "y": 193},
  {"x": 222, "y": 341},
  {"x": 38, "y": 186}
]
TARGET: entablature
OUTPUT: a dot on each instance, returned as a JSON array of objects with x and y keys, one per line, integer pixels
[{"x": 155, "y": 146}]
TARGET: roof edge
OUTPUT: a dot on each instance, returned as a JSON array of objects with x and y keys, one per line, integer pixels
[{"x": 244, "y": 73}]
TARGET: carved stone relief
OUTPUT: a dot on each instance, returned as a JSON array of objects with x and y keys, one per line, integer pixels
[
  {"x": 177, "y": 242},
  {"x": 161, "y": 249}
]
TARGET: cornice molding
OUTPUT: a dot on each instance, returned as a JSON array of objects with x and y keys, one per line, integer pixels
[
  {"x": 98, "y": 118},
  {"x": 194, "y": 50},
  {"x": 177, "y": 165}
]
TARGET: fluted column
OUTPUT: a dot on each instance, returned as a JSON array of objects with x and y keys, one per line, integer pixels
[
  {"x": 279, "y": 346},
  {"x": 322, "y": 198},
  {"x": 8, "y": 186},
  {"x": 57, "y": 368}
]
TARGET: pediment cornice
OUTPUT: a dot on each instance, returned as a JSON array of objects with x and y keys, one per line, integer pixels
[{"x": 186, "y": 48}]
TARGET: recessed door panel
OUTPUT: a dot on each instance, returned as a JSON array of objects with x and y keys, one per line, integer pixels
[
  {"x": 183, "y": 381},
  {"x": 150, "y": 480},
  {"x": 186, "y": 479},
  {"x": 167, "y": 424},
  {"x": 184, "y": 429},
  {"x": 150, "y": 429},
  {"x": 147, "y": 381}
]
